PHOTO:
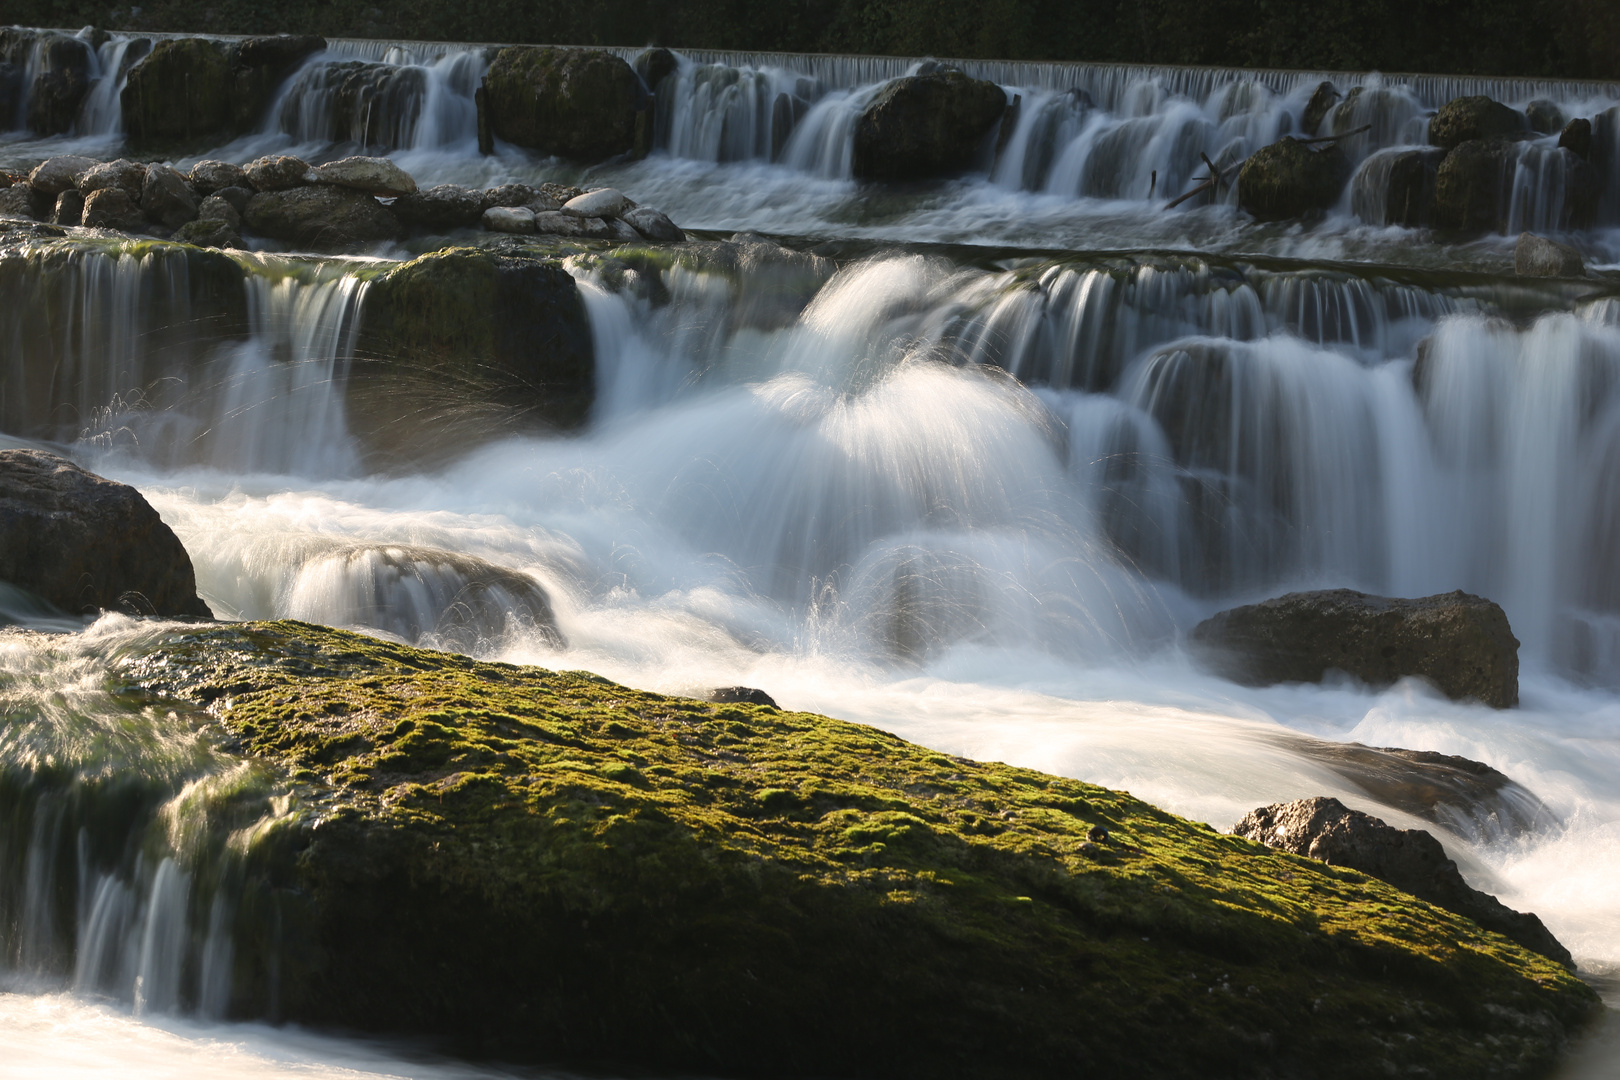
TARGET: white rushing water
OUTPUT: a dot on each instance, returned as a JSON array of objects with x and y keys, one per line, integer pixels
[{"x": 978, "y": 502}]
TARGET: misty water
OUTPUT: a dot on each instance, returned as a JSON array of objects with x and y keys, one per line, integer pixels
[{"x": 973, "y": 484}]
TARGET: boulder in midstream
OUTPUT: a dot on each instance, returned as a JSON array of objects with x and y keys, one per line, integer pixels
[
  {"x": 463, "y": 345},
  {"x": 1477, "y": 117},
  {"x": 1397, "y": 187},
  {"x": 210, "y": 232},
  {"x": 1460, "y": 643},
  {"x": 1539, "y": 256},
  {"x": 180, "y": 91},
  {"x": 1473, "y": 183},
  {"x": 85, "y": 544},
  {"x": 278, "y": 173},
  {"x": 1289, "y": 179},
  {"x": 578, "y": 104},
  {"x": 373, "y": 175},
  {"x": 60, "y": 84},
  {"x": 258, "y": 67},
  {"x": 1320, "y": 104},
  {"x": 127, "y": 175},
  {"x": 69, "y": 208},
  {"x": 1577, "y": 137},
  {"x": 926, "y": 125},
  {"x": 598, "y": 203},
  {"x": 653, "y": 224},
  {"x": 1409, "y": 859},
  {"x": 1544, "y": 117}
]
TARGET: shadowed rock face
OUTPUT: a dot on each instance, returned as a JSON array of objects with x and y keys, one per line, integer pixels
[
  {"x": 925, "y": 125},
  {"x": 1461, "y": 643},
  {"x": 1288, "y": 179},
  {"x": 1408, "y": 859},
  {"x": 576, "y": 103},
  {"x": 86, "y": 544}
]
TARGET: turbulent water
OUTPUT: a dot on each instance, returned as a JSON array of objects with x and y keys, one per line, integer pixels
[{"x": 974, "y": 489}]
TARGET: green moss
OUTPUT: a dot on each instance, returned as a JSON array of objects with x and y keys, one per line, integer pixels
[{"x": 545, "y": 863}]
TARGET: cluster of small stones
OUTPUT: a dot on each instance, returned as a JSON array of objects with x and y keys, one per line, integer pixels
[{"x": 341, "y": 204}]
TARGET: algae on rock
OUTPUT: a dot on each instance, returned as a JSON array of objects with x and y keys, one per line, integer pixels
[{"x": 545, "y": 865}]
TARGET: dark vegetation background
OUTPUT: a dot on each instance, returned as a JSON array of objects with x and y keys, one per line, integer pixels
[{"x": 1558, "y": 38}]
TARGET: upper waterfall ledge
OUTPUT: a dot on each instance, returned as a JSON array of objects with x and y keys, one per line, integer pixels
[{"x": 546, "y": 865}]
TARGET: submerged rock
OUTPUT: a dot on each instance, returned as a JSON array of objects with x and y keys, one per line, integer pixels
[
  {"x": 321, "y": 218},
  {"x": 1537, "y": 256},
  {"x": 180, "y": 91},
  {"x": 85, "y": 544},
  {"x": 1397, "y": 187},
  {"x": 926, "y": 125},
  {"x": 654, "y": 66},
  {"x": 1461, "y": 643},
  {"x": 463, "y": 345},
  {"x": 1289, "y": 179},
  {"x": 1478, "y": 117},
  {"x": 1408, "y": 859},
  {"x": 579, "y": 104},
  {"x": 545, "y": 865},
  {"x": 1544, "y": 117}
]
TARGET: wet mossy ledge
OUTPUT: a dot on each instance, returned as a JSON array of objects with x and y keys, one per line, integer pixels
[{"x": 546, "y": 866}]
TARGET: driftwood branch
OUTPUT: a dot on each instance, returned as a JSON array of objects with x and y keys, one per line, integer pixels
[{"x": 1212, "y": 182}]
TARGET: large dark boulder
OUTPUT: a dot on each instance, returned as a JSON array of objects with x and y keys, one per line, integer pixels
[
  {"x": 60, "y": 84},
  {"x": 1321, "y": 103},
  {"x": 464, "y": 345},
  {"x": 1397, "y": 187},
  {"x": 167, "y": 198},
  {"x": 1459, "y": 642},
  {"x": 1409, "y": 859},
  {"x": 258, "y": 67},
  {"x": 1477, "y": 117},
  {"x": 578, "y": 104},
  {"x": 1472, "y": 186},
  {"x": 321, "y": 217},
  {"x": 86, "y": 544},
  {"x": 447, "y": 206},
  {"x": 1289, "y": 179},
  {"x": 926, "y": 125},
  {"x": 654, "y": 66},
  {"x": 1577, "y": 137},
  {"x": 367, "y": 103},
  {"x": 181, "y": 91}
]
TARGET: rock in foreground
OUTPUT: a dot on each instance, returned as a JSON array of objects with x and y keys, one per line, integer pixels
[
  {"x": 1408, "y": 859},
  {"x": 1461, "y": 643},
  {"x": 86, "y": 544},
  {"x": 541, "y": 864}
]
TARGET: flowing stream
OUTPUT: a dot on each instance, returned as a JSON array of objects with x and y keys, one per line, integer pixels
[{"x": 971, "y": 479}]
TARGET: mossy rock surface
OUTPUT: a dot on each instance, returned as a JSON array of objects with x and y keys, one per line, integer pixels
[
  {"x": 1289, "y": 179},
  {"x": 464, "y": 344},
  {"x": 579, "y": 104},
  {"x": 1473, "y": 184},
  {"x": 181, "y": 91},
  {"x": 927, "y": 125},
  {"x": 547, "y": 866}
]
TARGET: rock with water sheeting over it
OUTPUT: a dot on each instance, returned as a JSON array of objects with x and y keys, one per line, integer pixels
[
  {"x": 1472, "y": 186},
  {"x": 55, "y": 175},
  {"x": 1577, "y": 137},
  {"x": 85, "y": 544},
  {"x": 926, "y": 125},
  {"x": 373, "y": 175},
  {"x": 1460, "y": 643},
  {"x": 61, "y": 82},
  {"x": 166, "y": 197},
  {"x": 1409, "y": 859},
  {"x": 180, "y": 91},
  {"x": 1321, "y": 103},
  {"x": 321, "y": 218},
  {"x": 1397, "y": 187},
  {"x": 578, "y": 104},
  {"x": 1289, "y": 179},
  {"x": 1537, "y": 256},
  {"x": 259, "y": 65}
]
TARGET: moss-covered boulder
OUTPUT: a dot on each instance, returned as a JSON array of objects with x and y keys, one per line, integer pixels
[
  {"x": 464, "y": 345},
  {"x": 61, "y": 80},
  {"x": 578, "y": 104},
  {"x": 1289, "y": 179},
  {"x": 926, "y": 125},
  {"x": 259, "y": 65},
  {"x": 1473, "y": 185},
  {"x": 547, "y": 865},
  {"x": 1396, "y": 187},
  {"x": 1477, "y": 117},
  {"x": 180, "y": 91}
]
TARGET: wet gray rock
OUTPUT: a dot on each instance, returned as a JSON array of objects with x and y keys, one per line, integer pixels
[
  {"x": 210, "y": 176},
  {"x": 85, "y": 544},
  {"x": 579, "y": 104},
  {"x": 278, "y": 173},
  {"x": 1317, "y": 108},
  {"x": 509, "y": 219},
  {"x": 1577, "y": 137},
  {"x": 55, "y": 175},
  {"x": 741, "y": 695},
  {"x": 166, "y": 197},
  {"x": 653, "y": 225},
  {"x": 128, "y": 175},
  {"x": 1544, "y": 117},
  {"x": 209, "y": 232},
  {"x": 1460, "y": 643},
  {"x": 258, "y": 67},
  {"x": 1472, "y": 185},
  {"x": 447, "y": 206},
  {"x": 600, "y": 203},
  {"x": 1478, "y": 117},
  {"x": 69, "y": 208},
  {"x": 321, "y": 218},
  {"x": 218, "y": 208},
  {"x": 508, "y": 195},
  {"x": 558, "y": 223},
  {"x": 1537, "y": 256},
  {"x": 17, "y": 201},
  {"x": 1409, "y": 859},
  {"x": 236, "y": 196},
  {"x": 926, "y": 125},
  {"x": 1289, "y": 179},
  {"x": 112, "y": 208},
  {"x": 373, "y": 175}
]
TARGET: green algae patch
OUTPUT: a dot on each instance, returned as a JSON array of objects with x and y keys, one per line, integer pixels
[{"x": 547, "y": 866}]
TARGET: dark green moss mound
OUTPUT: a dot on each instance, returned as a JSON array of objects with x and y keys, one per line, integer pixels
[
  {"x": 1472, "y": 186},
  {"x": 464, "y": 345},
  {"x": 1477, "y": 117},
  {"x": 579, "y": 104},
  {"x": 547, "y": 865},
  {"x": 926, "y": 125},
  {"x": 1289, "y": 179},
  {"x": 181, "y": 91}
]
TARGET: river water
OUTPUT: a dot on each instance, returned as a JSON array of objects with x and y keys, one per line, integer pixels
[{"x": 972, "y": 484}]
